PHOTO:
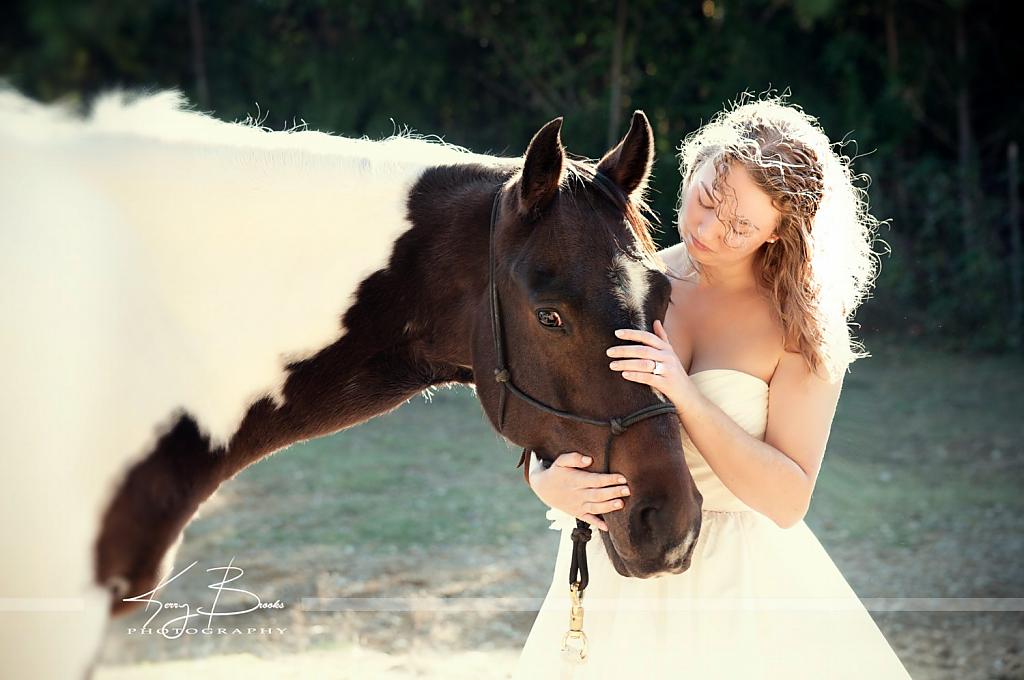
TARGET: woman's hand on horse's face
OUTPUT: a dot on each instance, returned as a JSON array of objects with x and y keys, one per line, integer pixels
[
  {"x": 637, "y": 361},
  {"x": 567, "y": 487}
]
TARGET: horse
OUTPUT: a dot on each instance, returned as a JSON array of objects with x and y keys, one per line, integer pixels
[{"x": 183, "y": 296}]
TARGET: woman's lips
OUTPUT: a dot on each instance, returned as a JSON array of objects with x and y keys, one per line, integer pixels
[{"x": 700, "y": 245}]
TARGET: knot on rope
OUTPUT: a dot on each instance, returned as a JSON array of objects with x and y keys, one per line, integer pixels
[
  {"x": 616, "y": 425},
  {"x": 581, "y": 534},
  {"x": 501, "y": 375}
]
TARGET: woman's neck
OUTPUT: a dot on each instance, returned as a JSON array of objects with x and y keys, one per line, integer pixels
[
  {"x": 734, "y": 278},
  {"x": 737, "y": 278}
]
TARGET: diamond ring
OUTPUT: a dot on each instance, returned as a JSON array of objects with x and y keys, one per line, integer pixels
[{"x": 657, "y": 368}]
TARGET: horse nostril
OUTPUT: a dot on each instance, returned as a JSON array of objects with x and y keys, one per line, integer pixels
[{"x": 647, "y": 516}]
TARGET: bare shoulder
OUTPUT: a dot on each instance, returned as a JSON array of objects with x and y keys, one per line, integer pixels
[
  {"x": 675, "y": 258},
  {"x": 680, "y": 273},
  {"x": 678, "y": 267}
]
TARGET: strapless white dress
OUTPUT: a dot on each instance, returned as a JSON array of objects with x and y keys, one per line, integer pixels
[{"x": 758, "y": 601}]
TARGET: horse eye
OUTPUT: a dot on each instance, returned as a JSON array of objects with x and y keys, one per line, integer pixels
[{"x": 549, "y": 318}]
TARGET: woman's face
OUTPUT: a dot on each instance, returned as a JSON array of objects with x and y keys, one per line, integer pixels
[{"x": 703, "y": 224}]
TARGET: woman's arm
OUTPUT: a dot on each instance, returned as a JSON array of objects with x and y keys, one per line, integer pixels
[{"x": 776, "y": 476}]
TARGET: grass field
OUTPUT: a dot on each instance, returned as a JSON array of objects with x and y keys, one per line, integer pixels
[{"x": 919, "y": 495}]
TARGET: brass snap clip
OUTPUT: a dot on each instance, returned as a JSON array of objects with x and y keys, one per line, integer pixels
[{"x": 575, "y": 632}]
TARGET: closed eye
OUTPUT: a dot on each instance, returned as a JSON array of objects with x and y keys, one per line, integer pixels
[{"x": 700, "y": 198}]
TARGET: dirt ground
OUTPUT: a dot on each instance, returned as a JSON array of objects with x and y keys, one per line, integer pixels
[{"x": 403, "y": 644}]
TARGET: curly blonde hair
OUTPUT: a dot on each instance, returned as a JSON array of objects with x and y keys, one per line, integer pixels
[{"x": 822, "y": 266}]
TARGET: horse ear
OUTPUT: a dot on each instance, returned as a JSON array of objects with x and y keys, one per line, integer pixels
[
  {"x": 629, "y": 163},
  {"x": 542, "y": 169}
]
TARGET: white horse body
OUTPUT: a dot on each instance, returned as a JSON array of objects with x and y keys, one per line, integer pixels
[{"x": 153, "y": 261}]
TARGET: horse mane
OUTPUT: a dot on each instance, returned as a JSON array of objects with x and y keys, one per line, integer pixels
[{"x": 579, "y": 172}]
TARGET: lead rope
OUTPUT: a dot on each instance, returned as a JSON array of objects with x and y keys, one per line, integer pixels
[{"x": 579, "y": 575}]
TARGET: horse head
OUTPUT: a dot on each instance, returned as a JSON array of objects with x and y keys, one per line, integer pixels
[{"x": 572, "y": 261}]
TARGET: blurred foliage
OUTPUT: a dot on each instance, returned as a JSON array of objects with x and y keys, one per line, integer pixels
[{"x": 928, "y": 88}]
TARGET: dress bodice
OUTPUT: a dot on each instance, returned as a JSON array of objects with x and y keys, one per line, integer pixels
[{"x": 744, "y": 398}]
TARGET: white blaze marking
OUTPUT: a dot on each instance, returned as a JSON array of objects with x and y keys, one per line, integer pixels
[{"x": 631, "y": 287}]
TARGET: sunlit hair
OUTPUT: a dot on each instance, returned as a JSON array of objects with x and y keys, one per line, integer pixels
[{"x": 822, "y": 266}]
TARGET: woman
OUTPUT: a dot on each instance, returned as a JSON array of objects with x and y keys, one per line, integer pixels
[{"x": 775, "y": 257}]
